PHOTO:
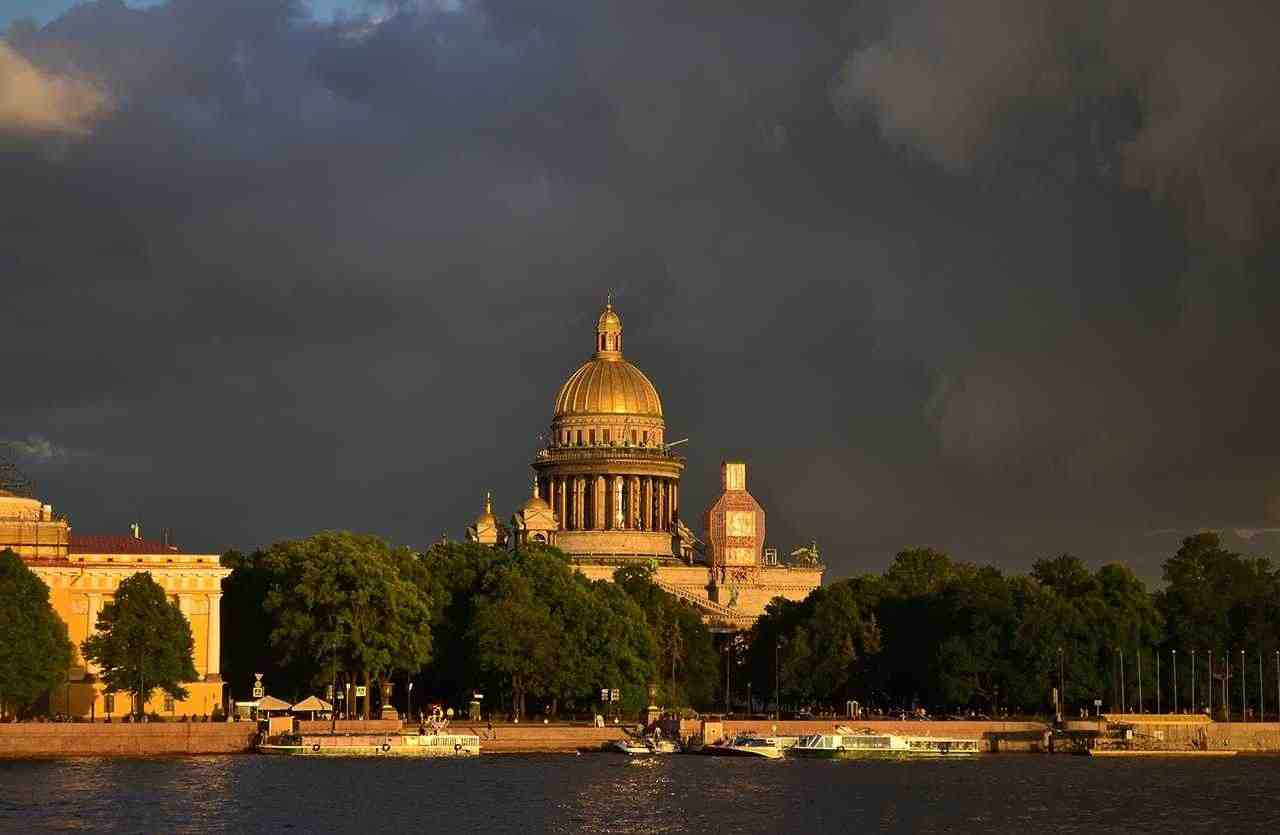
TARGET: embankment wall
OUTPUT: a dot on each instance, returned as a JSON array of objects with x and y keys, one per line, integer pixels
[
  {"x": 57, "y": 739},
  {"x": 529, "y": 739},
  {"x": 1235, "y": 736}
]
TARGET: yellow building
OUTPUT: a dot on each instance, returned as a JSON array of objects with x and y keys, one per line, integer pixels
[
  {"x": 607, "y": 493},
  {"x": 82, "y": 573}
]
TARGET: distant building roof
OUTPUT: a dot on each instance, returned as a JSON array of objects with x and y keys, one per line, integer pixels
[{"x": 117, "y": 544}]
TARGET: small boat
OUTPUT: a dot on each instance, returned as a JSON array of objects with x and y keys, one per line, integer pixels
[
  {"x": 629, "y": 746},
  {"x": 745, "y": 745},
  {"x": 845, "y": 744},
  {"x": 642, "y": 746}
]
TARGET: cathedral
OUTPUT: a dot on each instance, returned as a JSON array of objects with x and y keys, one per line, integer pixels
[{"x": 606, "y": 491}]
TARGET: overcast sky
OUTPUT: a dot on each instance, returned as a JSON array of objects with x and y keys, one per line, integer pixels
[{"x": 996, "y": 277}]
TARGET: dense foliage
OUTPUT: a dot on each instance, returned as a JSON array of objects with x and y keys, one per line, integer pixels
[
  {"x": 931, "y": 631},
  {"x": 34, "y": 650},
  {"x": 687, "y": 661},
  {"x": 522, "y": 627},
  {"x": 534, "y": 635},
  {"x": 143, "y": 642},
  {"x": 335, "y": 605}
]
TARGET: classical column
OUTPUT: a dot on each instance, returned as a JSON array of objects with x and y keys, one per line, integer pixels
[
  {"x": 214, "y": 662},
  {"x": 633, "y": 503},
  {"x": 617, "y": 521},
  {"x": 561, "y": 505},
  {"x": 675, "y": 502},
  {"x": 662, "y": 504},
  {"x": 598, "y": 511},
  {"x": 646, "y": 504},
  {"x": 95, "y": 606},
  {"x": 577, "y": 502}
]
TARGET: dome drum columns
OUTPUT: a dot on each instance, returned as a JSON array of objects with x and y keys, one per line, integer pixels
[{"x": 620, "y": 502}]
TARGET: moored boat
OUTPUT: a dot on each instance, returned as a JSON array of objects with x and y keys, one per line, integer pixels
[
  {"x": 844, "y": 744},
  {"x": 432, "y": 740},
  {"x": 744, "y": 745},
  {"x": 642, "y": 746},
  {"x": 372, "y": 745}
]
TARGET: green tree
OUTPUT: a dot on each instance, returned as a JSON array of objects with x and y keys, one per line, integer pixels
[
  {"x": 143, "y": 642},
  {"x": 350, "y": 601},
  {"x": 35, "y": 653},
  {"x": 541, "y": 629},
  {"x": 687, "y": 662},
  {"x": 516, "y": 638}
]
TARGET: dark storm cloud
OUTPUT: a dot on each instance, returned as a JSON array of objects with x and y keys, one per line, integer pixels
[{"x": 988, "y": 281}]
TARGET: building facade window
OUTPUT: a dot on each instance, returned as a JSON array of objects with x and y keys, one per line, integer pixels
[{"x": 168, "y": 703}]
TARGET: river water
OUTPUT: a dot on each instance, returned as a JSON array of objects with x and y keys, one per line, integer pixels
[{"x": 609, "y": 793}]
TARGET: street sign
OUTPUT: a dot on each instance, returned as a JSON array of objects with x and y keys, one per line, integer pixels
[
  {"x": 615, "y": 695},
  {"x": 360, "y": 691},
  {"x": 604, "y": 694},
  {"x": 259, "y": 691}
]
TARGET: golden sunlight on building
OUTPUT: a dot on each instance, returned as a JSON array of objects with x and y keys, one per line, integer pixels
[
  {"x": 607, "y": 493},
  {"x": 82, "y": 573}
]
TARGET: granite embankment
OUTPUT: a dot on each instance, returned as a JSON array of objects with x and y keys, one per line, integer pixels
[
  {"x": 59, "y": 739},
  {"x": 34, "y": 740},
  {"x": 1188, "y": 731},
  {"x": 153, "y": 739}
]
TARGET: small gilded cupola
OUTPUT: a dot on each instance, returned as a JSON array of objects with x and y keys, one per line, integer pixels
[{"x": 609, "y": 334}]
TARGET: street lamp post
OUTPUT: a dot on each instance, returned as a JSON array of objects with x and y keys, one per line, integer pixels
[
  {"x": 777, "y": 688},
  {"x": 1123, "y": 705},
  {"x": 410, "y": 708},
  {"x": 1209, "y": 687},
  {"x": 1244, "y": 707},
  {"x": 1193, "y": 681},
  {"x": 1262, "y": 707},
  {"x": 1157, "y": 655},
  {"x": 1175, "y": 681},
  {"x": 1062, "y": 684},
  {"x": 727, "y": 663},
  {"x": 1139, "y": 652},
  {"x": 1226, "y": 676}
]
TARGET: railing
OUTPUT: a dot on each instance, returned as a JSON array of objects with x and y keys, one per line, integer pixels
[
  {"x": 701, "y": 602},
  {"x": 578, "y": 453}
]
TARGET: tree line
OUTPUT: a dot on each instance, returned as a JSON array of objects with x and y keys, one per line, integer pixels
[
  {"x": 946, "y": 635},
  {"x": 535, "y": 636},
  {"x": 522, "y": 627}
]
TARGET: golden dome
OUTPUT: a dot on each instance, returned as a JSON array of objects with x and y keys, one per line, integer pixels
[
  {"x": 487, "y": 517},
  {"x": 536, "y": 502},
  {"x": 608, "y": 387},
  {"x": 607, "y": 384}
]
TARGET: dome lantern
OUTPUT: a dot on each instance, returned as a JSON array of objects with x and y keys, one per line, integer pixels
[{"x": 609, "y": 333}]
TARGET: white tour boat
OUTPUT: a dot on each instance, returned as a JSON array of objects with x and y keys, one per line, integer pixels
[
  {"x": 845, "y": 744},
  {"x": 435, "y": 740}
]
